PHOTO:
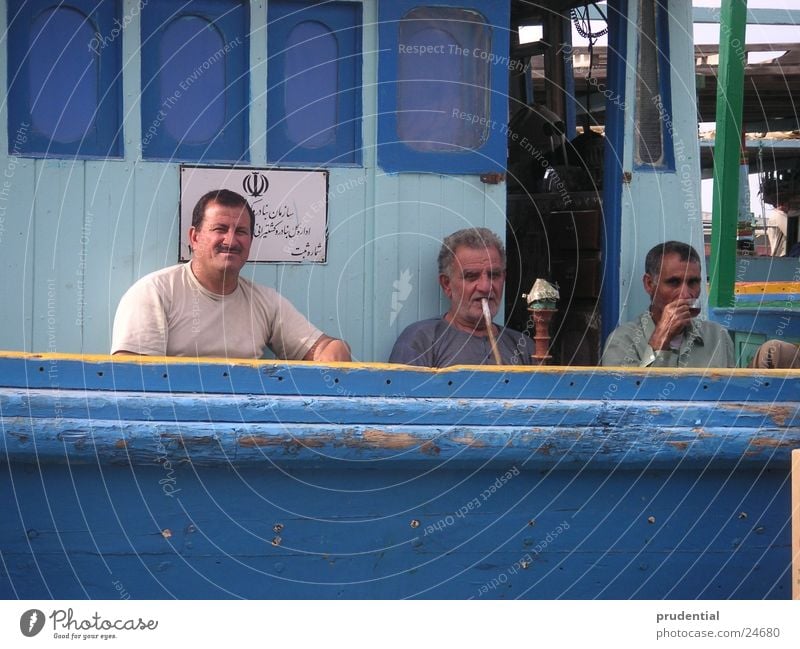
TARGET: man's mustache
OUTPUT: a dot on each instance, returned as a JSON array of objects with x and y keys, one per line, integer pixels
[{"x": 223, "y": 248}]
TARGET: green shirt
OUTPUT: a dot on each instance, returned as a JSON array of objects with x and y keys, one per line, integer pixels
[{"x": 704, "y": 344}]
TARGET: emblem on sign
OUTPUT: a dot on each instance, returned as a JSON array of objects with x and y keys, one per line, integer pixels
[{"x": 255, "y": 184}]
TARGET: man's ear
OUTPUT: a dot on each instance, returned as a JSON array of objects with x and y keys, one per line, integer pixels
[
  {"x": 444, "y": 282},
  {"x": 649, "y": 284},
  {"x": 193, "y": 238}
]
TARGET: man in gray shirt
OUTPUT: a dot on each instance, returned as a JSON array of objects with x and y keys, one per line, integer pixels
[{"x": 472, "y": 265}]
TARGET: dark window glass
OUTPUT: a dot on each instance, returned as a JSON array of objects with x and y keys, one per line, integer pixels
[
  {"x": 443, "y": 86},
  {"x": 435, "y": 77}
]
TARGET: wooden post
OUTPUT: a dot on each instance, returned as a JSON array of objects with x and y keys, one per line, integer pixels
[
  {"x": 796, "y": 524},
  {"x": 727, "y": 145}
]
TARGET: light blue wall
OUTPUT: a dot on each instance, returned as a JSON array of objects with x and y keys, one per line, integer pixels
[
  {"x": 658, "y": 206},
  {"x": 76, "y": 234}
]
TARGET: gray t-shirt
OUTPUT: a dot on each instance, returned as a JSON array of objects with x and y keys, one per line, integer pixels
[{"x": 434, "y": 343}]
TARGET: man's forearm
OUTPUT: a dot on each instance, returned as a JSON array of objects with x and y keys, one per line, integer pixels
[{"x": 328, "y": 349}]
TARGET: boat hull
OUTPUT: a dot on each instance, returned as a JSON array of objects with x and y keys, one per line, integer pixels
[{"x": 261, "y": 480}]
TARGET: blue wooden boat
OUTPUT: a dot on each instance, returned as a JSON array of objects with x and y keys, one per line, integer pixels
[
  {"x": 164, "y": 478},
  {"x": 176, "y": 478}
]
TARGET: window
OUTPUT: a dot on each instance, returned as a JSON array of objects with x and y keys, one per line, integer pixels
[
  {"x": 443, "y": 76},
  {"x": 653, "y": 95},
  {"x": 314, "y": 83},
  {"x": 195, "y": 62},
  {"x": 66, "y": 93}
]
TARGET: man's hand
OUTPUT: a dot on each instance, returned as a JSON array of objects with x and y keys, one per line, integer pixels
[
  {"x": 674, "y": 319},
  {"x": 328, "y": 349}
]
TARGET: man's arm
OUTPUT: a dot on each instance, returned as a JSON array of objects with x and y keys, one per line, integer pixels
[
  {"x": 627, "y": 347},
  {"x": 328, "y": 349},
  {"x": 140, "y": 324},
  {"x": 619, "y": 349}
]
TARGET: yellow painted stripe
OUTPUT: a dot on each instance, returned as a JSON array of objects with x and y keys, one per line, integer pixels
[
  {"x": 508, "y": 369},
  {"x": 766, "y": 288}
]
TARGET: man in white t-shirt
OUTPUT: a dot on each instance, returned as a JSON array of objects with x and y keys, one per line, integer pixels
[{"x": 204, "y": 308}]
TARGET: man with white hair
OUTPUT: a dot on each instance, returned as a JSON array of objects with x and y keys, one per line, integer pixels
[{"x": 472, "y": 268}]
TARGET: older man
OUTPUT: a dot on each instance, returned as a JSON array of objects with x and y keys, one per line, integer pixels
[
  {"x": 668, "y": 333},
  {"x": 472, "y": 266},
  {"x": 204, "y": 308}
]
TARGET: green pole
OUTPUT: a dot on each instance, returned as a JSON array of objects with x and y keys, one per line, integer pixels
[{"x": 727, "y": 151}]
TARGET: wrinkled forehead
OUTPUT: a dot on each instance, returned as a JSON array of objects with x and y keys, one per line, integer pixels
[
  {"x": 216, "y": 212},
  {"x": 485, "y": 256},
  {"x": 672, "y": 266}
]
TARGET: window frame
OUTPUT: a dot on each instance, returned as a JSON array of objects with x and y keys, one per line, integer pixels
[
  {"x": 347, "y": 148},
  {"x": 667, "y": 161},
  {"x": 234, "y": 146},
  {"x": 104, "y": 138}
]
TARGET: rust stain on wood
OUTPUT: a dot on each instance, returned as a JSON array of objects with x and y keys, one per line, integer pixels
[
  {"x": 381, "y": 439},
  {"x": 679, "y": 446},
  {"x": 545, "y": 449},
  {"x": 316, "y": 442},
  {"x": 771, "y": 442},
  {"x": 469, "y": 440},
  {"x": 120, "y": 443},
  {"x": 429, "y": 448},
  {"x": 778, "y": 414},
  {"x": 199, "y": 441},
  {"x": 254, "y": 441}
]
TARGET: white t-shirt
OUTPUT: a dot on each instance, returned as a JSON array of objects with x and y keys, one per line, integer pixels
[
  {"x": 776, "y": 232},
  {"x": 168, "y": 313}
]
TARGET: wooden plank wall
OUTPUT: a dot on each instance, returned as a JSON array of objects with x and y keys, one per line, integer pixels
[{"x": 76, "y": 234}]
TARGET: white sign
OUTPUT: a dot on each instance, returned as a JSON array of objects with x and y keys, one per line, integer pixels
[{"x": 291, "y": 208}]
